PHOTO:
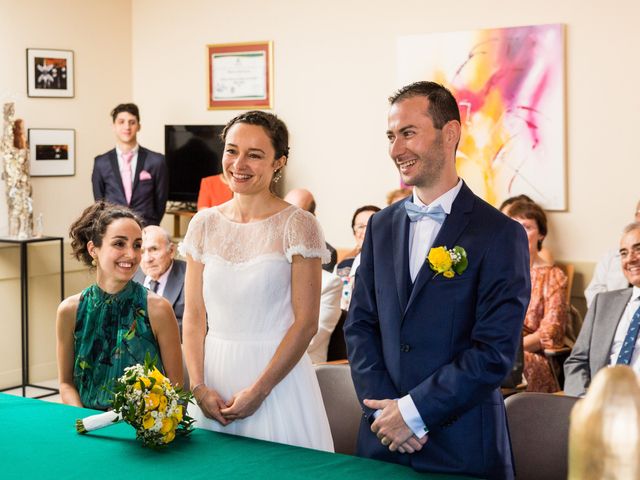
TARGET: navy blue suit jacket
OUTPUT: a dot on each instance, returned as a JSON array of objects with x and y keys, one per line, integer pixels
[
  {"x": 448, "y": 343},
  {"x": 149, "y": 194}
]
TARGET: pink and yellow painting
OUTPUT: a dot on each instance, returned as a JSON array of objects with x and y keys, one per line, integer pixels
[{"x": 509, "y": 83}]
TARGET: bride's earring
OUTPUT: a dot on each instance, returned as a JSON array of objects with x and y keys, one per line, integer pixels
[{"x": 277, "y": 175}]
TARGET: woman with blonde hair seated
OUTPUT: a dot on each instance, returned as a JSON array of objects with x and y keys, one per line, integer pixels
[
  {"x": 548, "y": 311},
  {"x": 604, "y": 436}
]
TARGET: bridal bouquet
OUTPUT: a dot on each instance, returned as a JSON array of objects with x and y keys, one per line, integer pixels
[{"x": 145, "y": 399}]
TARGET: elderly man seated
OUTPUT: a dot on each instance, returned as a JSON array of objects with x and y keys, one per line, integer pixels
[
  {"x": 609, "y": 335},
  {"x": 160, "y": 271}
]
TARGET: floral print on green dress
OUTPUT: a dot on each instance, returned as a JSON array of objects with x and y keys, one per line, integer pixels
[{"x": 112, "y": 332}]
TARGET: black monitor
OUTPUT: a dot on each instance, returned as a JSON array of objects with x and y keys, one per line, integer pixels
[{"x": 192, "y": 152}]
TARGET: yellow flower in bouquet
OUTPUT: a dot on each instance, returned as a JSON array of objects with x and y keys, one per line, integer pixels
[
  {"x": 148, "y": 421},
  {"x": 145, "y": 399}
]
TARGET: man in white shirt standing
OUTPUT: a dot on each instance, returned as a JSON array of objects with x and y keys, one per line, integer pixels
[
  {"x": 609, "y": 335},
  {"x": 159, "y": 271},
  {"x": 608, "y": 275}
]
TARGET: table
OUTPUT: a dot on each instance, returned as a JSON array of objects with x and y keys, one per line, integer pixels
[
  {"x": 38, "y": 440},
  {"x": 176, "y": 219},
  {"x": 24, "y": 306}
]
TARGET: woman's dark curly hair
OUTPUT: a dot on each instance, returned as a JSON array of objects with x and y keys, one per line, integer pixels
[{"x": 92, "y": 225}]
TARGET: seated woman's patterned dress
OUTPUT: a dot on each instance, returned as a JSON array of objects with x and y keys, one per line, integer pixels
[{"x": 112, "y": 332}]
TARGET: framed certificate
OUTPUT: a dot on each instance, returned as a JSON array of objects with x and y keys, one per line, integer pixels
[{"x": 240, "y": 75}]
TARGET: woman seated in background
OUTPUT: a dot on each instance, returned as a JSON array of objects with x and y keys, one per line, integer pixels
[
  {"x": 213, "y": 191},
  {"x": 115, "y": 322},
  {"x": 346, "y": 268},
  {"x": 604, "y": 436},
  {"x": 505, "y": 206},
  {"x": 547, "y": 315}
]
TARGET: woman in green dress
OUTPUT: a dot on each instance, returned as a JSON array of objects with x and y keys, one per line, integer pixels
[{"x": 115, "y": 322}]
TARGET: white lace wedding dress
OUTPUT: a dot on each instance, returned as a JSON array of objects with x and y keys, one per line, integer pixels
[{"x": 247, "y": 293}]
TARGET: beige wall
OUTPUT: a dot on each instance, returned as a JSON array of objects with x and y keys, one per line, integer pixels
[
  {"x": 44, "y": 297},
  {"x": 334, "y": 68},
  {"x": 99, "y": 33}
]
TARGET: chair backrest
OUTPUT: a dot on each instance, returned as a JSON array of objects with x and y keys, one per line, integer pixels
[
  {"x": 341, "y": 404},
  {"x": 337, "y": 349},
  {"x": 569, "y": 271},
  {"x": 539, "y": 429}
]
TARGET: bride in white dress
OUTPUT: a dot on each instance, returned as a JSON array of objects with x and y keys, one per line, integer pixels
[{"x": 254, "y": 275}]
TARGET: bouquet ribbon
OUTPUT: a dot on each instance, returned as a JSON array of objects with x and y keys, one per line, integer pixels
[{"x": 94, "y": 422}]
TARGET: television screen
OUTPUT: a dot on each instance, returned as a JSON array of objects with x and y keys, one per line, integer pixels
[{"x": 192, "y": 152}]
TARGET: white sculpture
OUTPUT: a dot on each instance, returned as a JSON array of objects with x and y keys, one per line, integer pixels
[{"x": 15, "y": 173}]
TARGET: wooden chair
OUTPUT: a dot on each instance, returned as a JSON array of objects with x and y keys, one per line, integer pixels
[
  {"x": 569, "y": 271},
  {"x": 557, "y": 356},
  {"x": 539, "y": 430},
  {"x": 341, "y": 403}
]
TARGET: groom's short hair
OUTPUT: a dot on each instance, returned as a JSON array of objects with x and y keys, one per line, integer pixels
[{"x": 443, "y": 106}]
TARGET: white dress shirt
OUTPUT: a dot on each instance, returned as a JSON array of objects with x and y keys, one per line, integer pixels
[
  {"x": 421, "y": 236},
  {"x": 423, "y": 232},
  {"x": 162, "y": 281},
  {"x": 621, "y": 333},
  {"x": 134, "y": 162}
]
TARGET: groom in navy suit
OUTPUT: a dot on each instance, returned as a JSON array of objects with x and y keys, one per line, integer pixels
[
  {"x": 129, "y": 174},
  {"x": 429, "y": 350}
]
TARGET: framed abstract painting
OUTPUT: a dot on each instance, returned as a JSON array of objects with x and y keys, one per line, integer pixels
[{"x": 510, "y": 87}]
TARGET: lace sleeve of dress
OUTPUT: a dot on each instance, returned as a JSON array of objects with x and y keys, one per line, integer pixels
[
  {"x": 303, "y": 236},
  {"x": 193, "y": 243}
]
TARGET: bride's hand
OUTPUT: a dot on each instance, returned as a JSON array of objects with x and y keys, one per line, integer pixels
[
  {"x": 211, "y": 404},
  {"x": 243, "y": 404}
]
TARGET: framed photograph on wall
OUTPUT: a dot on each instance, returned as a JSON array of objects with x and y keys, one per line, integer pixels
[
  {"x": 49, "y": 73},
  {"x": 240, "y": 75},
  {"x": 52, "y": 152}
]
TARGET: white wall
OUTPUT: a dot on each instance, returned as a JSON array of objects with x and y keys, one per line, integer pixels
[
  {"x": 335, "y": 67},
  {"x": 99, "y": 33}
]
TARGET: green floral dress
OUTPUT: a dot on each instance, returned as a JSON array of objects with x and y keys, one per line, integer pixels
[{"x": 112, "y": 332}]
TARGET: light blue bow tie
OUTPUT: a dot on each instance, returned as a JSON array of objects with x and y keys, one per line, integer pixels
[{"x": 417, "y": 213}]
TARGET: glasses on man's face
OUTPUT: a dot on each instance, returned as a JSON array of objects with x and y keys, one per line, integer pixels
[{"x": 359, "y": 227}]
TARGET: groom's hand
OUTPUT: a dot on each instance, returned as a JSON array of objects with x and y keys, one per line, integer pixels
[{"x": 391, "y": 428}]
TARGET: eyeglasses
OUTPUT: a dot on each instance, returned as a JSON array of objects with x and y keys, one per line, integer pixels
[{"x": 359, "y": 227}]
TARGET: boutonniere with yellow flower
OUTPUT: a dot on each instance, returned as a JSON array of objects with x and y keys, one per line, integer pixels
[
  {"x": 145, "y": 399},
  {"x": 448, "y": 262}
]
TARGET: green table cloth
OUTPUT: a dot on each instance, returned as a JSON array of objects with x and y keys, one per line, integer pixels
[{"x": 38, "y": 440}]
